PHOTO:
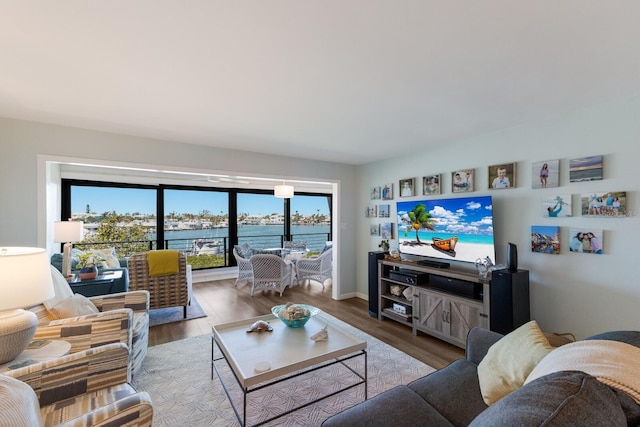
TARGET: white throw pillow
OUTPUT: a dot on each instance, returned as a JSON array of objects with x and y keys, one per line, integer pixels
[
  {"x": 77, "y": 305},
  {"x": 61, "y": 289}
]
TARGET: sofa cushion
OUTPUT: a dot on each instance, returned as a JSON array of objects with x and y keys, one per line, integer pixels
[
  {"x": 510, "y": 360},
  {"x": 447, "y": 387},
  {"x": 559, "y": 399},
  {"x": 76, "y": 305},
  {"x": 397, "y": 407},
  {"x": 629, "y": 337},
  {"x": 109, "y": 255}
]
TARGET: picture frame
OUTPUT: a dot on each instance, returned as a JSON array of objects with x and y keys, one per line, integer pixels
[
  {"x": 545, "y": 174},
  {"x": 556, "y": 206},
  {"x": 374, "y": 193},
  {"x": 371, "y": 211},
  {"x": 585, "y": 169},
  {"x": 608, "y": 204},
  {"x": 586, "y": 240},
  {"x": 386, "y": 230},
  {"x": 462, "y": 181},
  {"x": 384, "y": 211},
  {"x": 374, "y": 230},
  {"x": 431, "y": 185},
  {"x": 502, "y": 176},
  {"x": 407, "y": 187},
  {"x": 545, "y": 239},
  {"x": 386, "y": 191}
]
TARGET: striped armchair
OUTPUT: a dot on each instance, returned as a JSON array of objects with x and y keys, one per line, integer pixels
[
  {"x": 169, "y": 290},
  {"x": 88, "y": 388}
]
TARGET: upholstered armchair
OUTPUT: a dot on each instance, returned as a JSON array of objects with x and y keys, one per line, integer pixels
[
  {"x": 121, "y": 317},
  {"x": 270, "y": 272},
  {"x": 88, "y": 388},
  {"x": 245, "y": 271},
  {"x": 166, "y": 289},
  {"x": 317, "y": 268}
]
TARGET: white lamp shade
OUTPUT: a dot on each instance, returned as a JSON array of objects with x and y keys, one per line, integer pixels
[
  {"x": 25, "y": 277},
  {"x": 67, "y": 231},
  {"x": 283, "y": 191}
]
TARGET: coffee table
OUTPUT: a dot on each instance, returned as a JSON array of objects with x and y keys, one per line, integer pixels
[{"x": 290, "y": 353}]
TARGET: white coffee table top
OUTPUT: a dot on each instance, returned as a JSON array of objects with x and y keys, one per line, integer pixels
[{"x": 285, "y": 349}]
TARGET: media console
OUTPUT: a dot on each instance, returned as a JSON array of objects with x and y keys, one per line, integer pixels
[{"x": 447, "y": 303}]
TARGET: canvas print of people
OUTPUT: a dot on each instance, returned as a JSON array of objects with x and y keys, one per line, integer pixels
[
  {"x": 386, "y": 192},
  {"x": 502, "y": 176},
  {"x": 431, "y": 185},
  {"x": 587, "y": 241},
  {"x": 406, "y": 187},
  {"x": 375, "y": 193},
  {"x": 545, "y": 239},
  {"x": 383, "y": 211},
  {"x": 462, "y": 181},
  {"x": 545, "y": 174},
  {"x": 585, "y": 169},
  {"x": 609, "y": 204},
  {"x": 374, "y": 229},
  {"x": 371, "y": 211},
  {"x": 556, "y": 206}
]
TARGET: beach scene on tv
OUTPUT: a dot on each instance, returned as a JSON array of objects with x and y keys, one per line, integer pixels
[{"x": 458, "y": 229}]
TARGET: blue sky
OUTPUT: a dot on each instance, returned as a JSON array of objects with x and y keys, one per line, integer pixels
[{"x": 130, "y": 200}]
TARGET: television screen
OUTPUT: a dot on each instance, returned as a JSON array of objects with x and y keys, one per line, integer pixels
[{"x": 458, "y": 229}]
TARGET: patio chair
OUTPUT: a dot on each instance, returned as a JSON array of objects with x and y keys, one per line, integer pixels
[
  {"x": 317, "y": 268},
  {"x": 166, "y": 289},
  {"x": 270, "y": 272},
  {"x": 245, "y": 271},
  {"x": 88, "y": 388}
]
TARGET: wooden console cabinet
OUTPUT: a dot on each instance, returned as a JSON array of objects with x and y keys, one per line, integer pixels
[{"x": 447, "y": 303}]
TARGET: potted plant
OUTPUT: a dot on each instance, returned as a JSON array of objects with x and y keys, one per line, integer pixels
[
  {"x": 384, "y": 245},
  {"x": 88, "y": 265}
]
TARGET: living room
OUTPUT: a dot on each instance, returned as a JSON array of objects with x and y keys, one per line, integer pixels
[{"x": 583, "y": 294}]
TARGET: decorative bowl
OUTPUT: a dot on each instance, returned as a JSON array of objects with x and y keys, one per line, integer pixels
[{"x": 294, "y": 315}]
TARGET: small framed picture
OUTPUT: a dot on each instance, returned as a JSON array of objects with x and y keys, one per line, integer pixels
[
  {"x": 545, "y": 239},
  {"x": 386, "y": 191},
  {"x": 407, "y": 187},
  {"x": 383, "y": 211},
  {"x": 462, "y": 181},
  {"x": 502, "y": 176},
  {"x": 556, "y": 206},
  {"x": 587, "y": 241},
  {"x": 375, "y": 193},
  {"x": 386, "y": 230},
  {"x": 611, "y": 204},
  {"x": 371, "y": 211},
  {"x": 545, "y": 174},
  {"x": 374, "y": 229},
  {"x": 431, "y": 185},
  {"x": 585, "y": 169}
]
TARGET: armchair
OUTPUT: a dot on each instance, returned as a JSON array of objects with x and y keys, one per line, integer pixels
[
  {"x": 121, "y": 317},
  {"x": 88, "y": 388},
  {"x": 245, "y": 271},
  {"x": 270, "y": 272},
  {"x": 169, "y": 290},
  {"x": 316, "y": 268}
]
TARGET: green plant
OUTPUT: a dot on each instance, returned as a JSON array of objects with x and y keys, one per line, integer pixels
[
  {"x": 88, "y": 259},
  {"x": 384, "y": 244}
]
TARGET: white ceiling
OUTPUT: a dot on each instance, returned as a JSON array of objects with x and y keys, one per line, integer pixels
[{"x": 351, "y": 81}]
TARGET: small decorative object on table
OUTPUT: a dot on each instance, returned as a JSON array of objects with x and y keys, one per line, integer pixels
[
  {"x": 384, "y": 245},
  {"x": 260, "y": 326},
  {"x": 88, "y": 265},
  {"x": 321, "y": 335},
  {"x": 396, "y": 290},
  {"x": 294, "y": 315}
]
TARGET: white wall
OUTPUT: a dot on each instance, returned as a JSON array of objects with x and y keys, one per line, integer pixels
[
  {"x": 579, "y": 293},
  {"x": 24, "y": 187}
]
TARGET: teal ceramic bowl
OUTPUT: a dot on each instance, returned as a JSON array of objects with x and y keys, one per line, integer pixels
[{"x": 296, "y": 319}]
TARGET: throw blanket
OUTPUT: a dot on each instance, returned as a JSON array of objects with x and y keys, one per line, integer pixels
[
  {"x": 162, "y": 263},
  {"x": 613, "y": 363}
]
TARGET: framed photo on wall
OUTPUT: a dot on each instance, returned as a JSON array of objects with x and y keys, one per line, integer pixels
[
  {"x": 386, "y": 230},
  {"x": 585, "y": 169},
  {"x": 386, "y": 191},
  {"x": 585, "y": 240},
  {"x": 502, "y": 176},
  {"x": 431, "y": 185},
  {"x": 556, "y": 206},
  {"x": 407, "y": 187},
  {"x": 462, "y": 181},
  {"x": 375, "y": 193},
  {"x": 545, "y": 239},
  {"x": 374, "y": 229},
  {"x": 383, "y": 211},
  {"x": 611, "y": 204},
  {"x": 371, "y": 211},
  {"x": 545, "y": 174}
]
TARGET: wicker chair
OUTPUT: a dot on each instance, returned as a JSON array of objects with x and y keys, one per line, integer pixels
[
  {"x": 270, "y": 272},
  {"x": 171, "y": 290},
  {"x": 88, "y": 388},
  {"x": 317, "y": 268},
  {"x": 245, "y": 270}
]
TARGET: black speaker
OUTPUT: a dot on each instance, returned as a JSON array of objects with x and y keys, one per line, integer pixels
[
  {"x": 512, "y": 257},
  {"x": 509, "y": 305},
  {"x": 373, "y": 282}
]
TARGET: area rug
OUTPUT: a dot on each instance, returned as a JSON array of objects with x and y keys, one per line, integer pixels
[
  {"x": 160, "y": 316},
  {"x": 177, "y": 376}
]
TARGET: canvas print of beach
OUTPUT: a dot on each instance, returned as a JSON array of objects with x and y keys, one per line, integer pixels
[
  {"x": 374, "y": 193},
  {"x": 374, "y": 229},
  {"x": 609, "y": 204},
  {"x": 383, "y": 211},
  {"x": 587, "y": 241},
  {"x": 545, "y": 239},
  {"x": 371, "y": 211},
  {"x": 452, "y": 229},
  {"x": 585, "y": 169},
  {"x": 386, "y": 230},
  {"x": 556, "y": 206},
  {"x": 545, "y": 174}
]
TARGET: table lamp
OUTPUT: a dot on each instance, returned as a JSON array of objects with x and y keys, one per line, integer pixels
[
  {"x": 25, "y": 280},
  {"x": 67, "y": 232}
]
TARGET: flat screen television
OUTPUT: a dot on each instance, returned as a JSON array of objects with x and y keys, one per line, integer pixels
[{"x": 459, "y": 229}]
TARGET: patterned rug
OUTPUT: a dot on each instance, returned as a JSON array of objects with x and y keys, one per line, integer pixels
[
  {"x": 177, "y": 375},
  {"x": 160, "y": 316}
]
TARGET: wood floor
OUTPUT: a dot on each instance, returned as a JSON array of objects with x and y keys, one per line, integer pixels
[{"x": 224, "y": 303}]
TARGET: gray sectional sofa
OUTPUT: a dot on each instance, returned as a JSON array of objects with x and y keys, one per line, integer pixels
[{"x": 452, "y": 397}]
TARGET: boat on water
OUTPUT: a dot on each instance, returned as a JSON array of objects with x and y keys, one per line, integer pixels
[
  {"x": 207, "y": 246},
  {"x": 445, "y": 244}
]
